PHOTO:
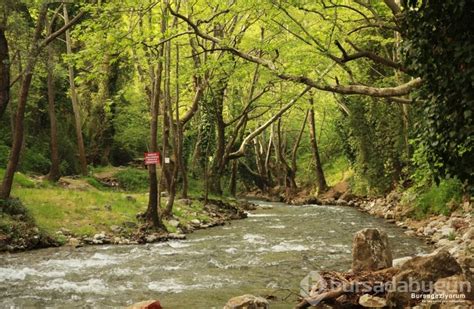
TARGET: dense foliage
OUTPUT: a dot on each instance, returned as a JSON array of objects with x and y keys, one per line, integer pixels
[
  {"x": 440, "y": 49},
  {"x": 273, "y": 96}
]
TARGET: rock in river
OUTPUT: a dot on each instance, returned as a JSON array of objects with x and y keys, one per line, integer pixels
[
  {"x": 247, "y": 301},
  {"x": 148, "y": 304},
  {"x": 370, "y": 250}
]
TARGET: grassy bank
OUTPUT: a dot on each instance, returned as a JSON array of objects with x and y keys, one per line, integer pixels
[{"x": 85, "y": 207}]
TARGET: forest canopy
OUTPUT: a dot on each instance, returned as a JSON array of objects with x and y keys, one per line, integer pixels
[{"x": 241, "y": 95}]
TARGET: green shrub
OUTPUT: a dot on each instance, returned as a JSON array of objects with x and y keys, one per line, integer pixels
[
  {"x": 95, "y": 183},
  {"x": 4, "y": 153},
  {"x": 14, "y": 207},
  {"x": 133, "y": 179},
  {"x": 436, "y": 199},
  {"x": 20, "y": 179},
  {"x": 34, "y": 161}
]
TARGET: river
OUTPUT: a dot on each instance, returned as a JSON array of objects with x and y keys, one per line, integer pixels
[{"x": 265, "y": 254}]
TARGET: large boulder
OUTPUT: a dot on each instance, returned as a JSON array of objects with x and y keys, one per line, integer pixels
[
  {"x": 247, "y": 301},
  {"x": 370, "y": 250},
  {"x": 420, "y": 274}
]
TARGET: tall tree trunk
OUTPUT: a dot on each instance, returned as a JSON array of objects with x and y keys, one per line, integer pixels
[
  {"x": 17, "y": 135},
  {"x": 219, "y": 160},
  {"x": 7, "y": 181},
  {"x": 75, "y": 102},
  {"x": 4, "y": 72},
  {"x": 154, "y": 198},
  {"x": 173, "y": 131},
  {"x": 320, "y": 179},
  {"x": 287, "y": 172},
  {"x": 179, "y": 133},
  {"x": 54, "y": 173}
]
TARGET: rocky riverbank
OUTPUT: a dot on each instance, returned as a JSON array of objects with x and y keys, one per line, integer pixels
[
  {"x": 454, "y": 232},
  {"x": 451, "y": 234},
  {"x": 435, "y": 280}
]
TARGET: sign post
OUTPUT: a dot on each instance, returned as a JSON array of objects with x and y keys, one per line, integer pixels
[{"x": 152, "y": 158}]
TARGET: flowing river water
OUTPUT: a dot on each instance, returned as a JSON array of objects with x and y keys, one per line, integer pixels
[{"x": 265, "y": 254}]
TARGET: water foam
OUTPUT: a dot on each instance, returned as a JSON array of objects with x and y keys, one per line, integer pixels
[
  {"x": 287, "y": 246},
  {"x": 255, "y": 239},
  {"x": 91, "y": 286},
  {"x": 276, "y": 226}
]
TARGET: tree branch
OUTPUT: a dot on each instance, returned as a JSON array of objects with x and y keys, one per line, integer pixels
[
  {"x": 400, "y": 90},
  {"x": 63, "y": 29},
  {"x": 393, "y": 6},
  {"x": 367, "y": 54},
  {"x": 260, "y": 129}
]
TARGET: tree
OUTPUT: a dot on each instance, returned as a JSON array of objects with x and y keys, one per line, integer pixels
[
  {"x": 37, "y": 45},
  {"x": 54, "y": 172},
  {"x": 320, "y": 179},
  {"x": 4, "y": 71},
  {"x": 395, "y": 91},
  {"x": 75, "y": 102}
]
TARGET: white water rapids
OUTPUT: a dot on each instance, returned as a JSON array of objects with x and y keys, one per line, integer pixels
[{"x": 267, "y": 253}]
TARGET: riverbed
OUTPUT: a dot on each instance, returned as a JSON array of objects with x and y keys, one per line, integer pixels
[{"x": 266, "y": 254}]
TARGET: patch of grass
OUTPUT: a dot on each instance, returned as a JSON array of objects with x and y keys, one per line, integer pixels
[
  {"x": 102, "y": 169},
  {"x": 20, "y": 179},
  {"x": 437, "y": 198},
  {"x": 337, "y": 170},
  {"x": 186, "y": 213},
  {"x": 132, "y": 179},
  {"x": 87, "y": 211},
  {"x": 82, "y": 212},
  {"x": 95, "y": 183},
  {"x": 17, "y": 224},
  {"x": 452, "y": 236}
]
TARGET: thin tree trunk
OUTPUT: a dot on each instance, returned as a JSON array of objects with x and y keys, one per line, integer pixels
[
  {"x": 294, "y": 152},
  {"x": 54, "y": 173},
  {"x": 206, "y": 176},
  {"x": 287, "y": 172},
  {"x": 233, "y": 178},
  {"x": 4, "y": 72},
  {"x": 267, "y": 158},
  {"x": 320, "y": 179},
  {"x": 75, "y": 102}
]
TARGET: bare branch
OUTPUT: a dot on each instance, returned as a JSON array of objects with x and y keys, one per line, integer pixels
[
  {"x": 334, "y": 6},
  {"x": 375, "y": 25}
]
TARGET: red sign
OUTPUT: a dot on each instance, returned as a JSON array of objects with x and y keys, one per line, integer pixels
[{"x": 152, "y": 158}]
